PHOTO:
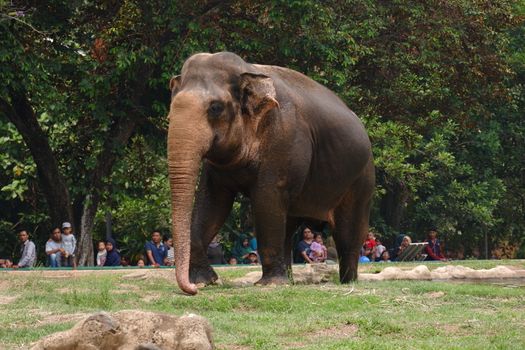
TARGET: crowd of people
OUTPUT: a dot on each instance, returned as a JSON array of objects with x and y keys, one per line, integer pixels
[
  {"x": 311, "y": 248},
  {"x": 374, "y": 251},
  {"x": 61, "y": 246}
]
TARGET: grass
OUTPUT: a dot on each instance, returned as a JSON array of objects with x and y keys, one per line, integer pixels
[{"x": 366, "y": 315}]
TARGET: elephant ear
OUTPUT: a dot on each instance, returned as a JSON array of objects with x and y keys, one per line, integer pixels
[
  {"x": 258, "y": 95},
  {"x": 175, "y": 85}
]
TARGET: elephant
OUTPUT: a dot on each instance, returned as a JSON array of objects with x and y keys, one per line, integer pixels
[{"x": 283, "y": 140}]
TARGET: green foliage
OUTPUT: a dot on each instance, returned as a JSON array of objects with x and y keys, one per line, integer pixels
[{"x": 439, "y": 86}]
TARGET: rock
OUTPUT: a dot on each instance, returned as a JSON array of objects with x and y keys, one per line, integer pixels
[
  {"x": 321, "y": 273},
  {"x": 249, "y": 279},
  {"x": 132, "y": 330},
  {"x": 420, "y": 272},
  {"x": 461, "y": 272},
  {"x": 315, "y": 274}
]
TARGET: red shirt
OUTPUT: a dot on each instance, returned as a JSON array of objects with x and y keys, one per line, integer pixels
[{"x": 370, "y": 243}]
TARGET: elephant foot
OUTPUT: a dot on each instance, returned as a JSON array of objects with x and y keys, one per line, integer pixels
[
  {"x": 203, "y": 275},
  {"x": 347, "y": 275},
  {"x": 273, "y": 280}
]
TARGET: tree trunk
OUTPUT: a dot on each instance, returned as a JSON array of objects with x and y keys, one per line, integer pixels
[
  {"x": 85, "y": 252},
  {"x": 21, "y": 114},
  {"x": 393, "y": 205},
  {"x": 19, "y": 111},
  {"x": 117, "y": 139}
]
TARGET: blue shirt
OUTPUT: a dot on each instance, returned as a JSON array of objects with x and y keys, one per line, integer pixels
[
  {"x": 302, "y": 246},
  {"x": 159, "y": 253}
]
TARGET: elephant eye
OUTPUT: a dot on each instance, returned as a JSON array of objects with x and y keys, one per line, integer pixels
[{"x": 216, "y": 108}]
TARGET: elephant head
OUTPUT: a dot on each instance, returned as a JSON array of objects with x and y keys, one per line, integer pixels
[{"x": 217, "y": 107}]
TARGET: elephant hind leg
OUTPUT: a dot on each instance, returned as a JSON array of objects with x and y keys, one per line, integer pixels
[{"x": 351, "y": 226}]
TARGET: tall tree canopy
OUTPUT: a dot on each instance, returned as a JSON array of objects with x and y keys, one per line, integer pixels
[{"x": 438, "y": 84}]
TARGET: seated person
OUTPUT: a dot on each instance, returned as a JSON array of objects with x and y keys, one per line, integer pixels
[
  {"x": 28, "y": 251},
  {"x": 318, "y": 251},
  {"x": 242, "y": 248},
  {"x": 404, "y": 244},
  {"x": 433, "y": 249},
  {"x": 155, "y": 250},
  {"x": 54, "y": 248},
  {"x": 379, "y": 249},
  {"x": 385, "y": 256},
  {"x": 113, "y": 256},
  {"x": 5, "y": 263},
  {"x": 393, "y": 251},
  {"x": 303, "y": 247},
  {"x": 252, "y": 259}
]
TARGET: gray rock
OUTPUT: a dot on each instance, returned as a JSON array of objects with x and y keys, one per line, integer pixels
[{"x": 133, "y": 330}]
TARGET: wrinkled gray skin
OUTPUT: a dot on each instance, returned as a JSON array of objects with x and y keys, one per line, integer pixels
[{"x": 288, "y": 143}]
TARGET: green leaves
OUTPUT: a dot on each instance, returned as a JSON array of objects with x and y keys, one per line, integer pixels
[{"x": 438, "y": 85}]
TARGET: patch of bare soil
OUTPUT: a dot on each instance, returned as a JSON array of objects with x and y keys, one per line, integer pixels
[
  {"x": 125, "y": 288},
  {"x": 61, "y": 318},
  {"x": 233, "y": 347},
  {"x": 434, "y": 295},
  {"x": 337, "y": 332},
  {"x": 151, "y": 297},
  {"x": 4, "y": 299}
]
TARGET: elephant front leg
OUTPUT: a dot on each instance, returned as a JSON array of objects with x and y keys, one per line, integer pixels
[
  {"x": 270, "y": 224},
  {"x": 213, "y": 204}
]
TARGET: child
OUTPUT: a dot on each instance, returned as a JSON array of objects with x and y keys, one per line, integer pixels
[
  {"x": 5, "y": 263},
  {"x": 380, "y": 248},
  {"x": 252, "y": 258},
  {"x": 170, "y": 256},
  {"x": 140, "y": 263},
  {"x": 385, "y": 257},
  {"x": 370, "y": 244},
  {"x": 69, "y": 244},
  {"x": 101, "y": 254},
  {"x": 318, "y": 251}
]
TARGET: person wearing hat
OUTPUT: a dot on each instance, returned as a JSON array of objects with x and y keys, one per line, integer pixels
[
  {"x": 69, "y": 244},
  {"x": 252, "y": 259}
]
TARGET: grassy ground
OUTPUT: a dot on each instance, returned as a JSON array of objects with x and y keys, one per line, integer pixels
[{"x": 366, "y": 315}]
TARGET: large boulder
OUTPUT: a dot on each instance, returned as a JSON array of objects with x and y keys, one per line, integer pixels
[{"x": 133, "y": 330}]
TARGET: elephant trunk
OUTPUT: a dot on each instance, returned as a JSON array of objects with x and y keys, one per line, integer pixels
[{"x": 187, "y": 143}]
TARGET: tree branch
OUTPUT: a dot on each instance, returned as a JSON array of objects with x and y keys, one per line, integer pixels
[{"x": 21, "y": 114}]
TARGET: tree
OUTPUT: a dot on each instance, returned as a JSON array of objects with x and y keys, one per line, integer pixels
[{"x": 438, "y": 85}]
